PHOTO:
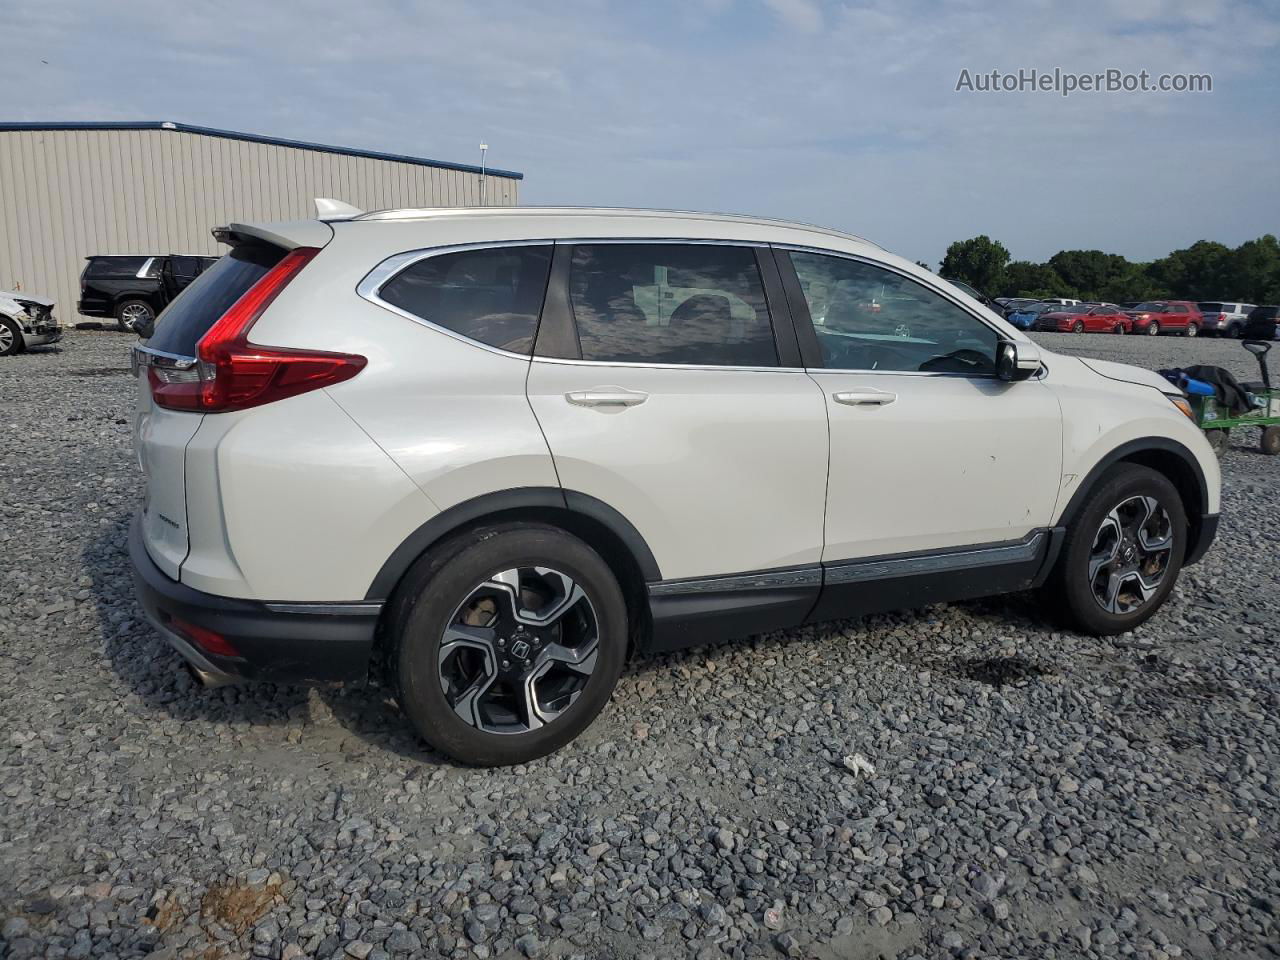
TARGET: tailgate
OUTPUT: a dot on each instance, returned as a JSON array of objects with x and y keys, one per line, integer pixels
[{"x": 160, "y": 438}]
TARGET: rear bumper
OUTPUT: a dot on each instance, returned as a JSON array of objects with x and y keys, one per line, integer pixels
[{"x": 280, "y": 642}]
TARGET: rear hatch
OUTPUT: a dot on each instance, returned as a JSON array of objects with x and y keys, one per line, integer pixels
[{"x": 168, "y": 358}]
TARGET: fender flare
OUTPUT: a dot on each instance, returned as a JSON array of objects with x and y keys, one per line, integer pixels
[
  {"x": 1126, "y": 450},
  {"x": 506, "y": 501}
]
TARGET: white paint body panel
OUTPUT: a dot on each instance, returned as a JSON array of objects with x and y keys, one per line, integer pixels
[
  {"x": 721, "y": 471},
  {"x": 951, "y": 462}
]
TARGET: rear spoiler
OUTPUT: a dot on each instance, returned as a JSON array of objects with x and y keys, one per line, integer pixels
[{"x": 291, "y": 234}]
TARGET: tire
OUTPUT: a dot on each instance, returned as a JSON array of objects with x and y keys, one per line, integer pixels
[
  {"x": 1220, "y": 440},
  {"x": 1118, "y": 329},
  {"x": 1235, "y": 331},
  {"x": 474, "y": 703},
  {"x": 1109, "y": 516},
  {"x": 1078, "y": 327},
  {"x": 1191, "y": 330},
  {"x": 1270, "y": 441},
  {"x": 11, "y": 341},
  {"x": 131, "y": 312},
  {"x": 1153, "y": 329}
]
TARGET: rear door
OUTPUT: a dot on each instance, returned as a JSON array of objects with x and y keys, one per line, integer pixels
[
  {"x": 161, "y": 435},
  {"x": 664, "y": 392}
]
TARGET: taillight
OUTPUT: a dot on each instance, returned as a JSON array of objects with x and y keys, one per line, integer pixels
[{"x": 233, "y": 374}]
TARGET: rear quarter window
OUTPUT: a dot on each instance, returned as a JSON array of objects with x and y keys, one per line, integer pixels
[
  {"x": 191, "y": 314},
  {"x": 116, "y": 266},
  {"x": 492, "y": 296}
]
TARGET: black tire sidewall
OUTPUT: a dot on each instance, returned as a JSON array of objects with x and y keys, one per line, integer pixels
[
  {"x": 432, "y": 593},
  {"x": 1071, "y": 576},
  {"x": 1269, "y": 442},
  {"x": 16, "y": 346},
  {"x": 120, "y": 312}
]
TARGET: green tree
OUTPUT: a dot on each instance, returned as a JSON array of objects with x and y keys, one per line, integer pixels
[
  {"x": 1022, "y": 278},
  {"x": 1253, "y": 271},
  {"x": 1087, "y": 272},
  {"x": 1198, "y": 272},
  {"x": 921, "y": 263},
  {"x": 979, "y": 262}
]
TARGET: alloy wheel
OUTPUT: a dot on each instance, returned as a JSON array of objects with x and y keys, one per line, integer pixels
[
  {"x": 133, "y": 314},
  {"x": 1153, "y": 329},
  {"x": 6, "y": 338},
  {"x": 519, "y": 650},
  {"x": 1130, "y": 554}
]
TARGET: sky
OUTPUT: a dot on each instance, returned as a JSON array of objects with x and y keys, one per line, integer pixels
[{"x": 844, "y": 114}]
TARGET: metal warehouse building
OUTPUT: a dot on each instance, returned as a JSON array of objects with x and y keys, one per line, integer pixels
[{"x": 69, "y": 190}]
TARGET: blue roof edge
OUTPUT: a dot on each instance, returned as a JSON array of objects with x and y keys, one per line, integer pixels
[{"x": 257, "y": 138}]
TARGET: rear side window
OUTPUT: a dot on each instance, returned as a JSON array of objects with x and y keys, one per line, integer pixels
[
  {"x": 116, "y": 266},
  {"x": 492, "y": 296},
  {"x": 1213, "y": 307},
  {"x": 695, "y": 304},
  {"x": 191, "y": 314}
]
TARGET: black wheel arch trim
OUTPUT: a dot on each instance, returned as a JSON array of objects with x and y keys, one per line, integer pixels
[
  {"x": 506, "y": 501},
  {"x": 1203, "y": 525}
]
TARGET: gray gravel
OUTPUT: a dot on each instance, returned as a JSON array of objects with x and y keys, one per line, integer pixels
[{"x": 955, "y": 781}]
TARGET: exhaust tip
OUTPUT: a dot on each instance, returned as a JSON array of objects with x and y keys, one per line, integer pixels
[{"x": 208, "y": 679}]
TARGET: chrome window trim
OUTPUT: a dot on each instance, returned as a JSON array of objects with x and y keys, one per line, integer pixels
[
  {"x": 142, "y": 271},
  {"x": 151, "y": 357},
  {"x": 371, "y": 286}
]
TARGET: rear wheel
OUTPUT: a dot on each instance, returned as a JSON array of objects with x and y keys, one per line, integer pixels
[
  {"x": 1122, "y": 554},
  {"x": 1220, "y": 440},
  {"x": 1118, "y": 329},
  {"x": 1192, "y": 330},
  {"x": 508, "y": 641},
  {"x": 1153, "y": 329},
  {"x": 1235, "y": 331},
  {"x": 11, "y": 341},
  {"x": 131, "y": 313},
  {"x": 1270, "y": 442}
]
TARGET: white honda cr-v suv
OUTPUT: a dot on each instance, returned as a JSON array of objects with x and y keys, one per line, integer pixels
[{"x": 495, "y": 450}]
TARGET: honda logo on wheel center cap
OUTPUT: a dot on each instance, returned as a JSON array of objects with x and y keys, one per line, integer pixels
[{"x": 520, "y": 649}]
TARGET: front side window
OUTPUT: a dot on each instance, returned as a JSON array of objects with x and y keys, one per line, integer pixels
[
  {"x": 671, "y": 303},
  {"x": 870, "y": 318},
  {"x": 493, "y": 296}
]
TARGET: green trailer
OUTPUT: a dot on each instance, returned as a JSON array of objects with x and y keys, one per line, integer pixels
[{"x": 1217, "y": 421}]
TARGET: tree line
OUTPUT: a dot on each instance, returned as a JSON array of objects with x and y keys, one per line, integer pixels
[{"x": 1206, "y": 270}]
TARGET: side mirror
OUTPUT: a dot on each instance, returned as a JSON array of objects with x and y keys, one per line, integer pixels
[{"x": 1017, "y": 360}]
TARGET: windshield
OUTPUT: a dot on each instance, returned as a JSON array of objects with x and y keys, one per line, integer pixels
[{"x": 1076, "y": 308}]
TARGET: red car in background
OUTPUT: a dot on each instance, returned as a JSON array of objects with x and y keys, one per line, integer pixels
[
  {"x": 1167, "y": 316},
  {"x": 1086, "y": 318}
]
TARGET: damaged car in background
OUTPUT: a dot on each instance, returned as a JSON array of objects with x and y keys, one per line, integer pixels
[{"x": 26, "y": 320}]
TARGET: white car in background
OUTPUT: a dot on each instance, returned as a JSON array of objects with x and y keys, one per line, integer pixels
[
  {"x": 496, "y": 450},
  {"x": 26, "y": 320}
]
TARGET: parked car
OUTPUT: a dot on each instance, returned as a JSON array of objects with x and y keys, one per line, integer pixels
[
  {"x": 978, "y": 295},
  {"x": 134, "y": 289},
  {"x": 1024, "y": 318},
  {"x": 1225, "y": 319},
  {"x": 1014, "y": 304},
  {"x": 1065, "y": 301},
  {"x": 26, "y": 320},
  {"x": 498, "y": 449},
  {"x": 1261, "y": 324},
  {"x": 1086, "y": 318},
  {"x": 1167, "y": 316}
]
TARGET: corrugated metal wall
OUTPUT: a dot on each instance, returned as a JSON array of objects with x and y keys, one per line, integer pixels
[{"x": 66, "y": 194}]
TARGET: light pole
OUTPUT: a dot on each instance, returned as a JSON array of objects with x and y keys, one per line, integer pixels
[{"x": 483, "y": 148}]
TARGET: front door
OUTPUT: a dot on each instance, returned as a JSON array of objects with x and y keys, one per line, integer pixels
[{"x": 930, "y": 452}]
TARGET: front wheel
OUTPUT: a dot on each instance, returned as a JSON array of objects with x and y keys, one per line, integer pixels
[
  {"x": 1078, "y": 327},
  {"x": 1122, "y": 554},
  {"x": 508, "y": 641},
  {"x": 11, "y": 341},
  {"x": 1153, "y": 329}
]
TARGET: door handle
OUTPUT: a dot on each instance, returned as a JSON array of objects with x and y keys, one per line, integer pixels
[
  {"x": 867, "y": 398},
  {"x": 606, "y": 397}
]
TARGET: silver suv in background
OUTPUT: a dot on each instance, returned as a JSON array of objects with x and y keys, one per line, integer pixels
[{"x": 1225, "y": 319}]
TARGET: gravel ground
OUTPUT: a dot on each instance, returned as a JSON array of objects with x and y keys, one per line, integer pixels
[{"x": 955, "y": 781}]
